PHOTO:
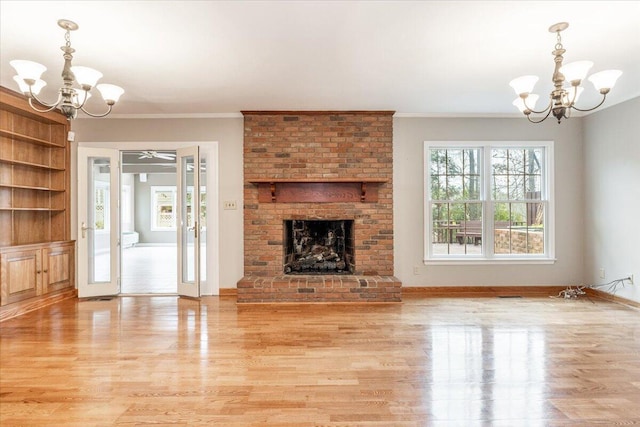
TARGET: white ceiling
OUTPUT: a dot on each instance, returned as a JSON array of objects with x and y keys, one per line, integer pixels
[{"x": 425, "y": 58}]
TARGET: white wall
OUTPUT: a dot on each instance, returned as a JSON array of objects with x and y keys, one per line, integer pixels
[
  {"x": 409, "y": 135},
  {"x": 612, "y": 196},
  {"x": 143, "y": 208},
  {"x": 227, "y": 133}
]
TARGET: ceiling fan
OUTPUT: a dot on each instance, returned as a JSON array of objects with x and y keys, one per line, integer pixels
[{"x": 156, "y": 155}]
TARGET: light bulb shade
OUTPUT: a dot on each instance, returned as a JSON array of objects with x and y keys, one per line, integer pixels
[
  {"x": 523, "y": 84},
  {"x": 85, "y": 76},
  {"x": 575, "y": 71},
  {"x": 605, "y": 79},
  {"x": 24, "y": 87},
  {"x": 532, "y": 99},
  {"x": 28, "y": 69},
  {"x": 110, "y": 93}
]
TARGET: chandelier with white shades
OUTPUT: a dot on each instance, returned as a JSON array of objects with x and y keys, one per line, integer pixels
[
  {"x": 562, "y": 98},
  {"x": 70, "y": 99}
]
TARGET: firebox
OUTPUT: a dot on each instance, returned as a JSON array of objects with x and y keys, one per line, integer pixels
[{"x": 319, "y": 247}]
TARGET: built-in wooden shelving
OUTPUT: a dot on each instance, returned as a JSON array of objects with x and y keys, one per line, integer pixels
[{"x": 37, "y": 259}]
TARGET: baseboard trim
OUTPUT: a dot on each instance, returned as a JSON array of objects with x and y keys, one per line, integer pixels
[
  {"x": 22, "y": 307},
  {"x": 481, "y": 291},
  {"x": 228, "y": 292},
  {"x": 613, "y": 298}
]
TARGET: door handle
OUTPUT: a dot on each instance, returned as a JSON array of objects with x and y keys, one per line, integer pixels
[{"x": 84, "y": 229}]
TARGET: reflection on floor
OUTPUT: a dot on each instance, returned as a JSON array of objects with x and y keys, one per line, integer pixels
[
  {"x": 149, "y": 269},
  {"x": 428, "y": 362}
]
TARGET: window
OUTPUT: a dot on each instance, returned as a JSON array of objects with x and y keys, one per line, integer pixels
[
  {"x": 163, "y": 208},
  {"x": 163, "y": 203},
  {"x": 488, "y": 201}
]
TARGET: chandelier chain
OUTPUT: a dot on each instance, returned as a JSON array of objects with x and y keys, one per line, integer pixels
[{"x": 558, "y": 41}]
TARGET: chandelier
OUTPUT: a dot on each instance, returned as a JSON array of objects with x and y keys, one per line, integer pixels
[
  {"x": 70, "y": 99},
  {"x": 562, "y": 99}
]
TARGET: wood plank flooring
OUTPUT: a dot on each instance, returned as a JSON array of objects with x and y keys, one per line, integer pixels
[{"x": 166, "y": 361}]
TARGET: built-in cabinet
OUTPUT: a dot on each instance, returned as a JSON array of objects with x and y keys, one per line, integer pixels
[
  {"x": 36, "y": 256},
  {"x": 33, "y": 270}
]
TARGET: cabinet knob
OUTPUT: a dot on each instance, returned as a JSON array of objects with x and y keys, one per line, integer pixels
[
  {"x": 38, "y": 272},
  {"x": 45, "y": 271}
]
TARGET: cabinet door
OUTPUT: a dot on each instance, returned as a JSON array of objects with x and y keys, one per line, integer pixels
[
  {"x": 20, "y": 275},
  {"x": 57, "y": 269}
]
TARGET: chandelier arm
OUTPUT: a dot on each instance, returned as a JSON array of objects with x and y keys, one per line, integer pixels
[
  {"x": 97, "y": 115},
  {"x": 604, "y": 97},
  {"x": 46, "y": 110},
  {"x": 546, "y": 110},
  {"x": 542, "y": 119},
  {"x": 50, "y": 106}
]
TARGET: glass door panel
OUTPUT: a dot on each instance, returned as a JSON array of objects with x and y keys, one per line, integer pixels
[
  {"x": 97, "y": 222},
  {"x": 188, "y": 223}
]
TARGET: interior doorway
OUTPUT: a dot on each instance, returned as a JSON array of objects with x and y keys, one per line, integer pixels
[{"x": 148, "y": 184}]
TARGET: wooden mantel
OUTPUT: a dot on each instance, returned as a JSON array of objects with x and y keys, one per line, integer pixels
[{"x": 319, "y": 190}]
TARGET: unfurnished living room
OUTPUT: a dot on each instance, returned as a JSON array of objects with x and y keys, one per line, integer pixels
[{"x": 319, "y": 213}]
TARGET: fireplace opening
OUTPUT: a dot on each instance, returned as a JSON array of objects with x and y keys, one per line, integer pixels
[{"x": 319, "y": 247}]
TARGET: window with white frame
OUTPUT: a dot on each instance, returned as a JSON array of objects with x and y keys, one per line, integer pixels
[
  {"x": 488, "y": 201},
  {"x": 163, "y": 207}
]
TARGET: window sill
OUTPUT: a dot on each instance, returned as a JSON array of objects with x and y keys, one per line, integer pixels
[{"x": 488, "y": 261}]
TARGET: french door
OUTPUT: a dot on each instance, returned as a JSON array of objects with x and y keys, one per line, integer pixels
[
  {"x": 189, "y": 223},
  {"x": 98, "y": 222},
  {"x": 98, "y": 251}
]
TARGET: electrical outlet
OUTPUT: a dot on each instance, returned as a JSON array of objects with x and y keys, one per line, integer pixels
[
  {"x": 602, "y": 275},
  {"x": 230, "y": 205},
  {"x": 416, "y": 271}
]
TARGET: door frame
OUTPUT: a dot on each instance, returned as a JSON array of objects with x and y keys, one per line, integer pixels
[{"x": 208, "y": 150}]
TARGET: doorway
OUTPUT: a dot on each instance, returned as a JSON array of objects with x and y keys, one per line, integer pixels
[
  {"x": 148, "y": 185},
  {"x": 146, "y": 211}
]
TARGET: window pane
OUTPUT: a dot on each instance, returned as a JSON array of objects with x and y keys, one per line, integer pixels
[
  {"x": 533, "y": 186},
  {"x": 438, "y": 162},
  {"x": 440, "y": 215},
  {"x": 516, "y": 187},
  {"x": 454, "y": 162},
  {"x": 516, "y": 161},
  {"x": 454, "y": 187},
  {"x": 438, "y": 187},
  {"x": 518, "y": 228},
  {"x": 469, "y": 229},
  {"x": 534, "y": 160}
]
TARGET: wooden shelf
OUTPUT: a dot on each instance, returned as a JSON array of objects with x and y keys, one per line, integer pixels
[
  {"x": 27, "y": 138},
  {"x": 321, "y": 190},
  {"x": 29, "y": 187},
  {"x": 31, "y": 209},
  {"x": 33, "y": 165}
]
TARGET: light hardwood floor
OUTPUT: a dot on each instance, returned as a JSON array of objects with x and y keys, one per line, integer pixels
[{"x": 425, "y": 362}]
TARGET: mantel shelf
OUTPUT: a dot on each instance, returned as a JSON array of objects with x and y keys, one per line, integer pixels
[
  {"x": 317, "y": 180},
  {"x": 318, "y": 190}
]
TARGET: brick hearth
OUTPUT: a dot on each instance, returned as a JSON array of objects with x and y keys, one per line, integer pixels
[{"x": 321, "y": 148}]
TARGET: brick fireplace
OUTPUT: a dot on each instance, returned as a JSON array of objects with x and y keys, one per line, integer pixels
[{"x": 311, "y": 167}]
